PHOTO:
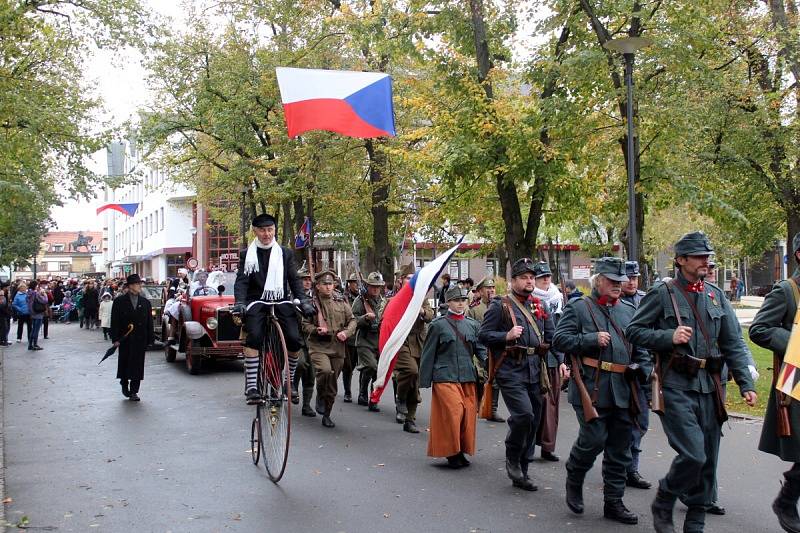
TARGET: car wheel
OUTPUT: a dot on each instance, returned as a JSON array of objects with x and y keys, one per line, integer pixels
[
  {"x": 194, "y": 361},
  {"x": 169, "y": 353}
]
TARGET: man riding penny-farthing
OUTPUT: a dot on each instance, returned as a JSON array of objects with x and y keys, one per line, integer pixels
[{"x": 266, "y": 292}]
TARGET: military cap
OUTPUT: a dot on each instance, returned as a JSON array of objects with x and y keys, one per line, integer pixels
[
  {"x": 488, "y": 281},
  {"x": 796, "y": 242},
  {"x": 522, "y": 266},
  {"x": 352, "y": 277},
  {"x": 456, "y": 293},
  {"x": 611, "y": 267},
  {"x": 695, "y": 243},
  {"x": 632, "y": 268},
  {"x": 375, "y": 279},
  {"x": 303, "y": 273},
  {"x": 264, "y": 220},
  {"x": 541, "y": 269},
  {"x": 407, "y": 270},
  {"x": 326, "y": 276}
]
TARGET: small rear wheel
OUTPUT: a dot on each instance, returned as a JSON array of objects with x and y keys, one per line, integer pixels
[
  {"x": 255, "y": 439},
  {"x": 194, "y": 357}
]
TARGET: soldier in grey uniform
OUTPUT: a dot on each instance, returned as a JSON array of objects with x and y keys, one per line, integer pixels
[
  {"x": 305, "y": 369},
  {"x": 691, "y": 330},
  {"x": 367, "y": 310},
  {"x": 591, "y": 330},
  {"x": 631, "y": 295},
  {"x": 771, "y": 329}
]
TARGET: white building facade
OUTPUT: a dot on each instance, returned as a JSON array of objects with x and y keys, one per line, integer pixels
[{"x": 153, "y": 242}]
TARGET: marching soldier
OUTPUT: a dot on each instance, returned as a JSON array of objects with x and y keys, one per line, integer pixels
[
  {"x": 632, "y": 296},
  {"x": 447, "y": 366},
  {"x": 780, "y": 435},
  {"x": 692, "y": 330},
  {"x": 518, "y": 332},
  {"x": 305, "y": 369},
  {"x": 351, "y": 292},
  {"x": 477, "y": 310},
  {"x": 591, "y": 330},
  {"x": 406, "y": 367},
  {"x": 327, "y": 332},
  {"x": 367, "y": 309}
]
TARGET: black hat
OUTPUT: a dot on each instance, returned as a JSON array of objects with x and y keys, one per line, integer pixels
[
  {"x": 263, "y": 220},
  {"x": 521, "y": 266},
  {"x": 695, "y": 243},
  {"x": 611, "y": 267},
  {"x": 132, "y": 279},
  {"x": 456, "y": 293},
  {"x": 631, "y": 268},
  {"x": 541, "y": 269}
]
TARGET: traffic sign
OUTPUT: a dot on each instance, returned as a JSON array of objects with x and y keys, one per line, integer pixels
[{"x": 192, "y": 263}]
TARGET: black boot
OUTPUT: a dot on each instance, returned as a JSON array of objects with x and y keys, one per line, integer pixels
[
  {"x": 373, "y": 407},
  {"x": 307, "y": 410},
  {"x": 363, "y": 388},
  {"x": 347, "y": 382},
  {"x": 574, "y": 494},
  {"x": 661, "y": 508},
  {"x": 785, "y": 507},
  {"x": 125, "y": 390},
  {"x": 526, "y": 483},
  {"x": 635, "y": 480},
  {"x": 327, "y": 422},
  {"x": 409, "y": 426},
  {"x": 514, "y": 470},
  {"x": 616, "y": 510},
  {"x": 320, "y": 405},
  {"x": 695, "y": 520}
]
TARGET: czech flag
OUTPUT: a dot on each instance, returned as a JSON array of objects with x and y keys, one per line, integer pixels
[
  {"x": 125, "y": 209},
  {"x": 303, "y": 237},
  {"x": 354, "y": 104},
  {"x": 399, "y": 316}
]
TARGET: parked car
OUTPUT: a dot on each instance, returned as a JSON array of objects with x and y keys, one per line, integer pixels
[{"x": 206, "y": 329}]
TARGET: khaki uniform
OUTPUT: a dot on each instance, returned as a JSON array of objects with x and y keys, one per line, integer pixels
[
  {"x": 406, "y": 367},
  {"x": 478, "y": 311},
  {"x": 327, "y": 352}
]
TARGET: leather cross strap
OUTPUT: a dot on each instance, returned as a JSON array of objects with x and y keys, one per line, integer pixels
[
  {"x": 697, "y": 318},
  {"x": 320, "y": 317},
  {"x": 461, "y": 337},
  {"x": 614, "y": 325},
  {"x": 528, "y": 317}
]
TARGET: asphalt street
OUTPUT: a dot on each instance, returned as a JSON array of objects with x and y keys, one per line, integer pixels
[{"x": 80, "y": 457}]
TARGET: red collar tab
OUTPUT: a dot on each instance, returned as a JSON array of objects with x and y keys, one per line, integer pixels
[
  {"x": 605, "y": 300},
  {"x": 697, "y": 286}
]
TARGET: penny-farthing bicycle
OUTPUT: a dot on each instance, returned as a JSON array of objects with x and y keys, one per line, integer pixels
[{"x": 271, "y": 428}]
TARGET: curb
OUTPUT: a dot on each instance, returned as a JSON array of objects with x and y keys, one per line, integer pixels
[{"x": 749, "y": 418}]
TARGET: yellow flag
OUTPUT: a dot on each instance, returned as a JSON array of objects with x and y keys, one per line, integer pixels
[{"x": 789, "y": 377}]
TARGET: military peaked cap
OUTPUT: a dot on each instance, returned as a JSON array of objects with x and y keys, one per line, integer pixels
[
  {"x": 541, "y": 269},
  {"x": 303, "y": 273},
  {"x": 695, "y": 243},
  {"x": 407, "y": 270},
  {"x": 631, "y": 268},
  {"x": 456, "y": 293},
  {"x": 326, "y": 276},
  {"x": 611, "y": 267},
  {"x": 522, "y": 266},
  {"x": 264, "y": 220},
  {"x": 488, "y": 281}
]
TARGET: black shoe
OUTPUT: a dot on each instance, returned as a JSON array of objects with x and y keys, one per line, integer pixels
[
  {"x": 616, "y": 510},
  {"x": 327, "y": 422},
  {"x": 550, "y": 456},
  {"x": 463, "y": 459},
  {"x": 125, "y": 391},
  {"x": 348, "y": 398},
  {"x": 134, "y": 397},
  {"x": 410, "y": 427},
  {"x": 514, "y": 471},
  {"x": 454, "y": 462},
  {"x": 252, "y": 396},
  {"x": 295, "y": 397},
  {"x": 363, "y": 400},
  {"x": 785, "y": 508},
  {"x": 525, "y": 484},
  {"x": 716, "y": 509},
  {"x": 308, "y": 411},
  {"x": 373, "y": 407},
  {"x": 574, "y": 496},
  {"x": 636, "y": 481},
  {"x": 400, "y": 418},
  {"x": 37, "y": 347},
  {"x": 495, "y": 418},
  {"x": 661, "y": 508}
]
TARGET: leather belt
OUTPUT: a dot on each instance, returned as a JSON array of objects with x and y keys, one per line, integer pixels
[
  {"x": 321, "y": 338},
  {"x": 606, "y": 366}
]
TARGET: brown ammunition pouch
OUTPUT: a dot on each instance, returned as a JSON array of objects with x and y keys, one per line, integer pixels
[
  {"x": 690, "y": 366},
  {"x": 321, "y": 338}
]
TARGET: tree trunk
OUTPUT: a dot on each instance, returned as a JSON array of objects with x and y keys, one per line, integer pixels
[{"x": 381, "y": 248}]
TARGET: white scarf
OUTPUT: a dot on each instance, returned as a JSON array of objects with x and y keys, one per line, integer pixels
[
  {"x": 273, "y": 287},
  {"x": 552, "y": 297}
]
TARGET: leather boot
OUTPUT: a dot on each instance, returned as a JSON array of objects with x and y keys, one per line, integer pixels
[
  {"x": 695, "y": 520},
  {"x": 526, "y": 483},
  {"x": 410, "y": 427},
  {"x": 616, "y": 510},
  {"x": 307, "y": 410},
  {"x": 661, "y": 508},
  {"x": 514, "y": 470},
  {"x": 363, "y": 388},
  {"x": 574, "y": 493},
  {"x": 785, "y": 507},
  {"x": 320, "y": 405}
]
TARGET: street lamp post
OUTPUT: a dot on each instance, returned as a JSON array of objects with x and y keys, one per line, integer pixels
[{"x": 627, "y": 47}]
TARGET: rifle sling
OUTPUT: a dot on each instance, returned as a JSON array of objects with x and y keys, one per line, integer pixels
[{"x": 461, "y": 337}]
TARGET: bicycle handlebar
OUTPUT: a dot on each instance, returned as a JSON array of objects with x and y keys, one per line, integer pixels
[{"x": 294, "y": 302}]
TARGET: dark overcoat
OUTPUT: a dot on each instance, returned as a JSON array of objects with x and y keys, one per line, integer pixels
[{"x": 130, "y": 363}]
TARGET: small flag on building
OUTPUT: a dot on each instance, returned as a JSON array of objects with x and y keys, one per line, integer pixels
[
  {"x": 353, "y": 104},
  {"x": 125, "y": 209},
  {"x": 303, "y": 237}
]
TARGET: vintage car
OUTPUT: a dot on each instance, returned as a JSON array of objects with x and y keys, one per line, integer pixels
[
  {"x": 155, "y": 295},
  {"x": 206, "y": 329}
]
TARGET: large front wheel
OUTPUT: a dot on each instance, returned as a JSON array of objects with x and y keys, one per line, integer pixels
[{"x": 274, "y": 413}]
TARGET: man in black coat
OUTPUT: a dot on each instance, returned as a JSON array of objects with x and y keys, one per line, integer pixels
[
  {"x": 267, "y": 272},
  {"x": 131, "y": 309}
]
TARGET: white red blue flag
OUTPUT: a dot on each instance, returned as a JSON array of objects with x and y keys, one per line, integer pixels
[
  {"x": 303, "y": 237},
  {"x": 354, "y": 104},
  {"x": 399, "y": 316},
  {"x": 125, "y": 209}
]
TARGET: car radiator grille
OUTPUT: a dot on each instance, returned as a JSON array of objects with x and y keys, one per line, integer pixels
[{"x": 226, "y": 329}]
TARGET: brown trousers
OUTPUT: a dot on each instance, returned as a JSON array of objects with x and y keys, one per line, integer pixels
[
  {"x": 548, "y": 425},
  {"x": 406, "y": 369},
  {"x": 454, "y": 412},
  {"x": 327, "y": 368}
]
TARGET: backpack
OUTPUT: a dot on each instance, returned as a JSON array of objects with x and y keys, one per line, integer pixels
[{"x": 37, "y": 306}]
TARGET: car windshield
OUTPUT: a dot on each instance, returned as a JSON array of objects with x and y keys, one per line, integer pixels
[{"x": 152, "y": 292}]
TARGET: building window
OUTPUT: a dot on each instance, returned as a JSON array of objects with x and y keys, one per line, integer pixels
[
  {"x": 162, "y": 218},
  {"x": 58, "y": 247},
  {"x": 491, "y": 267},
  {"x": 93, "y": 247},
  {"x": 222, "y": 247},
  {"x": 64, "y": 266}
]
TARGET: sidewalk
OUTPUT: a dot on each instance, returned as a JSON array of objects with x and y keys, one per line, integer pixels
[{"x": 747, "y": 308}]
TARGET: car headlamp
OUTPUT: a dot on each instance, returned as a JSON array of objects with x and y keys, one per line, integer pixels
[{"x": 211, "y": 323}]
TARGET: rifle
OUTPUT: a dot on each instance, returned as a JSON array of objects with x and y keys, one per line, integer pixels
[
  {"x": 657, "y": 403},
  {"x": 783, "y": 429},
  {"x": 362, "y": 290},
  {"x": 589, "y": 411}
]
